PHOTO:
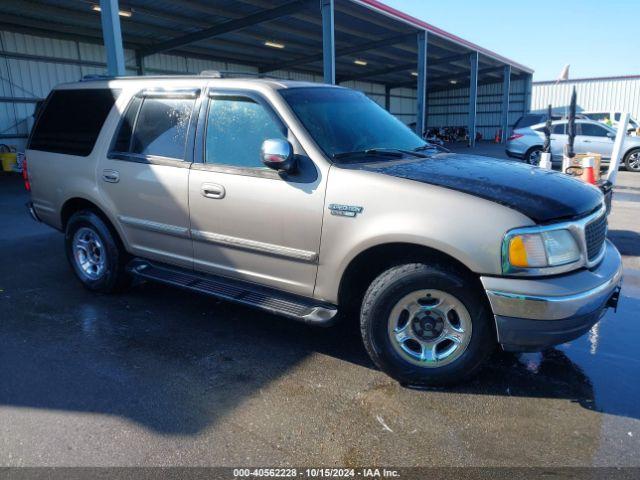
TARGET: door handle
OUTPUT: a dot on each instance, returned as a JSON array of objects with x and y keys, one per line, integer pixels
[
  {"x": 212, "y": 190},
  {"x": 586, "y": 141},
  {"x": 111, "y": 176}
]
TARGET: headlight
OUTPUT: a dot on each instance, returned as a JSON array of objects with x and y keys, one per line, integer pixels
[{"x": 529, "y": 251}]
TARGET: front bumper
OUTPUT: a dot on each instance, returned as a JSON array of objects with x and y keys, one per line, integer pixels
[{"x": 532, "y": 314}]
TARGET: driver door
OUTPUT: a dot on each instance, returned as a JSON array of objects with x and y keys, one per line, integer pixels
[
  {"x": 592, "y": 138},
  {"x": 247, "y": 221}
]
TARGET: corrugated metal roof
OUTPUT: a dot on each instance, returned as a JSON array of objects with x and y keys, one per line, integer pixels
[
  {"x": 375, "y": 4},
  {"x": 358, "y": 23}
]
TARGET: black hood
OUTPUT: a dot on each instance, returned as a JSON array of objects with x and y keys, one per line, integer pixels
[{"x": 541, "y": 195}]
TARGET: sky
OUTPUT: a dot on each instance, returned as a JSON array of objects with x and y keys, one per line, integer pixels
[{"x": 597, "y": 38}]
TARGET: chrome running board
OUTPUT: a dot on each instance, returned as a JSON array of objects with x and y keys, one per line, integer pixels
[{"x": 299, "y": 308}]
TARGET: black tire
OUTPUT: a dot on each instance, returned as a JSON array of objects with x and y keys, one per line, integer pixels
[
  {"x": 530, "y": 158},
  {"x": 113, "y": 277},
  {"x": 394, "y": 284},
  {"x": 632, "y": 160}
]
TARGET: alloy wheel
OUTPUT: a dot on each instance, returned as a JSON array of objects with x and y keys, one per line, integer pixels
[
  {"x": 633, "y": 162},
  {"x": 89, "y": 253},
  {"x": 429, "y": 328}
]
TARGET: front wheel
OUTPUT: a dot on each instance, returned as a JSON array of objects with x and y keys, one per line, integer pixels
[
  {"x": 632, "y": 160},
  {"x": 426, "y": 325}
]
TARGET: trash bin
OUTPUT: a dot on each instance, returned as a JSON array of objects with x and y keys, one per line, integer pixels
[{"x": 9, "y": 161}]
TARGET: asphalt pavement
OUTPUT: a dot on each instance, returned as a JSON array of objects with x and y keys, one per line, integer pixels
[{"x": 158, "y": 376}]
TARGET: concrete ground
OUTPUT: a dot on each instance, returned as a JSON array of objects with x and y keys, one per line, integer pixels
[{"x": 158, "y": 376}]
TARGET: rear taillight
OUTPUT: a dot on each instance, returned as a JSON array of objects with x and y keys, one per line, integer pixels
[
  {"x": 25, "y": 175},
  {"x": 515, "y": 136}
]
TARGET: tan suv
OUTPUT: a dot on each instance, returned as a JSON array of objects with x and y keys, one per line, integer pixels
[{"x": 307, "y": 200}]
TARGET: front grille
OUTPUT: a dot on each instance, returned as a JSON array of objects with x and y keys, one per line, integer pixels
[{"x": 595, "y": 234}]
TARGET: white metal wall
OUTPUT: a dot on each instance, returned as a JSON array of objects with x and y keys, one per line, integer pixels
[
  {"x": 604, "y": 95},
  {"x": 31, "y": 66}
]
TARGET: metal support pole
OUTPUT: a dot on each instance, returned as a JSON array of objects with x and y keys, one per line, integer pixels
[
  {"x": 139, "y": 63},
  {"x": 618, "y": 148},
  {"x": 473, "y": 97},
  {"x": 527, "y": 93},
  {"x": 387, "y": 98},
  {"x": 421, "y": 117},
  {"x": 328, "y": 41},
  {"x": 112, "y": 37},
  {"x": 506, "y": 87}
]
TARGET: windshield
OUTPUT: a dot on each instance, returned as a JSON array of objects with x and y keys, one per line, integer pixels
[{"x": 343, "y": 121}]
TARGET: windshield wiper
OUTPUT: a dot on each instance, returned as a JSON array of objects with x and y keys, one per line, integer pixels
[
  {"x": 386, "y": 152},
  {"x": 431, "y": 146}
]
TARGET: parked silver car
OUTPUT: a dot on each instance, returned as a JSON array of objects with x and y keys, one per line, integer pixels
[{"x": 591, "y": 137}]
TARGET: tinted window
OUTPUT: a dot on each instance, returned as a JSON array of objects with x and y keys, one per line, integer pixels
[
  {"x": 71, "y": 121},
  {"x": 597, "y": 116},
  {"x": 343, "y": 121},
  {"x": 161, "y": 127},
  {"x": 558, "y": 129},
  {"x": 590, "y": 130},
  {"x": 236, "y": 128},
  {"x": 123, "y": 141},
  {"x": 530, "y": 119}
]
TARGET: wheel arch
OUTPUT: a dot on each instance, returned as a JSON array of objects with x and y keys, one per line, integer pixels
[
  {"x": 76, "y": 204},
  {"x": 371, "y": 262},
  {"x": 532, "y": 148}
]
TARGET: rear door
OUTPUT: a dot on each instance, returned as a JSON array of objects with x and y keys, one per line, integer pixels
[
  {"x": 145, "y": 177},
  {"x": 594, "y": 138},
  {"x": 248, "y": 221}
]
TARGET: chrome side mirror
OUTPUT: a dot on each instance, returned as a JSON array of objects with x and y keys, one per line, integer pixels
[{"x": 278, "y": 155}]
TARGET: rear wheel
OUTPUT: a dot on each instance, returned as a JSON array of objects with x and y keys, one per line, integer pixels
[
  {"x": 532, "y": 157},
  {"x": 426, "y": 325},
  {"x": 95, "y": 253},
  {"x": 632, "y": 160}
]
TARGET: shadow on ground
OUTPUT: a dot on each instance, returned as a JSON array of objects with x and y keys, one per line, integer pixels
[
  {"x": 176, "y": 362},
  {"x": 627, "y": 241}
]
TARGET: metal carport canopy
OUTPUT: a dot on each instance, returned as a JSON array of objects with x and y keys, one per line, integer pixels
[
  {"x": 236, "y": 31},
  {"x": 343, "y": 40}
]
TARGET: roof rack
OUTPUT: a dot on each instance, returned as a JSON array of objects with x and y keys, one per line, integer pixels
[
  {"x": 95, "y": 77},
  {"x": 204, "y": 73},
  {"x": 211, "y": 73},
  {"x": 235, "y": 74}
]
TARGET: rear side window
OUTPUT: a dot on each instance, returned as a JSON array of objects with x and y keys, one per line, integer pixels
[
  {"x": 597, "y": 116},
  {"x": 591, "y": 130},
  {"x": 71, "y": 121},
  {"x": 528, "y": 120},
  {"x": 155, "y": 126},
  {"x": 559, "y": 129},
  {"x": 123, "y": 141}
]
